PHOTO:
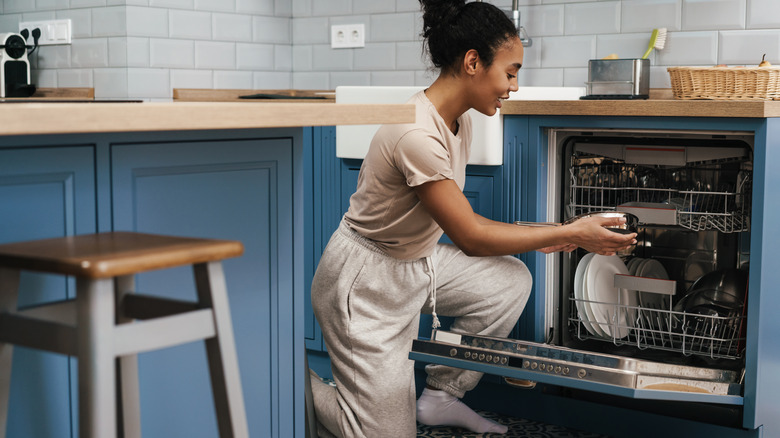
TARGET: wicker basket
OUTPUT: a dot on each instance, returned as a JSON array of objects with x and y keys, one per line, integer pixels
[{"x": 725, "y": 83}]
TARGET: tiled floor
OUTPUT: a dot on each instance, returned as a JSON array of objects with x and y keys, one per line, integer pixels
[{"x": 518, "y": 428}]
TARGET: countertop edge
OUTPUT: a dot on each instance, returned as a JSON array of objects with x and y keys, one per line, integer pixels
[
  {"x": 65, "y": 118},
  {"x": 646, "y": 108}
]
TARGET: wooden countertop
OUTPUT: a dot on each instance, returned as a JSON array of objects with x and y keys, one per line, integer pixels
[
  {"x": 649, "y": 107},
  {"x": 66, "y": 118}
]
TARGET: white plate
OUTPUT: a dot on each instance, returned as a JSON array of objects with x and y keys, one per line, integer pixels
[
  {"x": 600, "y": 287},
  {"x": 651, "y": 268},
  {"x": 579, "y": 295}
]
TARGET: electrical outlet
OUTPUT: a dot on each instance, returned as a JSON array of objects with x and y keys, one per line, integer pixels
[
  {"x": 52, "y": 31},
  {"x": 347, "y": 35}
]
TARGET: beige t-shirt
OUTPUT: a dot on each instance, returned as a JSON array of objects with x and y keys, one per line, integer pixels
[{"x": 385, "y": 207}]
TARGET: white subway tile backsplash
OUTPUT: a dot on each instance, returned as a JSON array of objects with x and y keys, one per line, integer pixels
[
  {"x": 410, "y": 56},
  {"x": 233, "y": 79},
  {"x": 567, "y": 51},
  {"x": 10, "y": 22},
  {"x": 150, "y": 22},
  {"x": 43, "y": 5},
  {"x": 172, "y": 4},
  {"x": 282, "y": 58},
  {"x": 301, "y": 8},
  {"x": 53, "y": 56},
  {"x": 110, "y": 21},
  {"x": 117, "y": 52},
  {"x": 331, "y": 7},
  {"x": 624, "y": 45},
  {"x": 39, "y": 16},
  {"x": 12, "y": 6},
  {"x": 689, "y": 48},
  {"x": 375, "y": 56},
  {"x": 310, "y": 30},
  {"x": 86, "y": 3},
  {"x": 254, "y": 56},
  {"x": 763, "y": 14},
  {"x": 81, "y": 22},
  {"x": 255, "y": 7},
  {"x": 340, "y": 78},
  {"x": 747, "y": 47},
  {"x": 144, "y": 83},
  {"x": 110, "y": 83},
  {"x": 268, "y": 80},
  {"x": 592, "y": 18},
  {"x": 310, "y": 81},
  {"x": 373, "y": 6},
  {"x": 283, "y": 8},
  {"x": 713, "y": 14},
  {"x": 272, "y": 30},
  {"x": 424, "y": 78},
  {"x": 532, "y": 56},
  {"x": 392, "y": 78},
  {"x": 232, "y": 27},
  {"x": 575, "y": 77},
  {"x": 89, "y": 52},
  {"x": 326, "y": 59},
  {"x": 192, "y": 78},
  {"x": 215, "y": 55},
  {"x": 393, "y": 27},
  {"x": 138, "y": 52},
  {"x": 659, "y": 78},
  {"x": 70, "y": 77},
  {"x": 215, "y": 5},
  {"x": 646, "y": 15},
  {"x": 543, "y": 20},
  {"x": 407, "y": 5},
  {"x": 540, "y": 77},
  {"x": 194, "y": 25},
  {"x": 302, "y": 58},
  {"x": 44, "y": 78},
  {"x": 171, "y": 53}
]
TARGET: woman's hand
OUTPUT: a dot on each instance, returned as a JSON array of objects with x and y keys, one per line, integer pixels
[{"x": 590, "y": 234}]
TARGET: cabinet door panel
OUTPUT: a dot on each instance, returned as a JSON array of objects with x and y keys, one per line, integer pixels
[
  {"x": 240, "y": 190},
  {"x": 44, "y": 193}
]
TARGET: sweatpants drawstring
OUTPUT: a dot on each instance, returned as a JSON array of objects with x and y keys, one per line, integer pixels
[{"x": 432, "y": 292}]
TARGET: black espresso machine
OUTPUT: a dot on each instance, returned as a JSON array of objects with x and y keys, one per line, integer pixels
[{"x": 15, "y": 64}]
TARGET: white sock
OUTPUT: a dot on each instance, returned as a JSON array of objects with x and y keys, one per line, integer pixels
[{"x": 439, "y": 408}]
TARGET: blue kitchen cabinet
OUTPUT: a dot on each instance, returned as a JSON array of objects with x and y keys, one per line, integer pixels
[
  {"x": 45, "y": 192},
  {"x": 240, "y": 189}
]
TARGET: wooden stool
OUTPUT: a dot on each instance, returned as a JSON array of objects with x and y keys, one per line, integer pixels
[{"x": 97, "y": 326}]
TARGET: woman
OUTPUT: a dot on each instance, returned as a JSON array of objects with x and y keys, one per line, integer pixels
[{"x": 383, "y": 266}]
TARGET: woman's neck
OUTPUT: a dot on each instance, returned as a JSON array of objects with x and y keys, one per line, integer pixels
[{"x": 446, "y": 96}]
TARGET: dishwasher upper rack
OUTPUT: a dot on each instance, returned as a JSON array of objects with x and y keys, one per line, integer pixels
[
  {"x": 713, "y": 336},
  {"x": 702, "y": 198}
]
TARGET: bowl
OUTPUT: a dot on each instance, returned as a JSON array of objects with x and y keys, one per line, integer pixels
[{"x": 630, "y": 226}]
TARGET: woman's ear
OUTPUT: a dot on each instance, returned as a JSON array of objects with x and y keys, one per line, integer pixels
[{"x": 471, "y": 62}]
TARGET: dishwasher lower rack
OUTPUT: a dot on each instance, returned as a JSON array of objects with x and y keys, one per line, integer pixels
[
  {"x": 551, "y": 363},
  {"x": 712, "y": 336}
]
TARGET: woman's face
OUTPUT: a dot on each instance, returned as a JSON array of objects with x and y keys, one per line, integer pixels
[{"x": 492, "y": 85}]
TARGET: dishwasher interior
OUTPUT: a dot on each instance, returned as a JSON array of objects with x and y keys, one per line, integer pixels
[{"x": 679, "y": 296}]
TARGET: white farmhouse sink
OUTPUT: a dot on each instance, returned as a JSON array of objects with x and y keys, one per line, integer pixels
[{"x": 487, "y": 146}]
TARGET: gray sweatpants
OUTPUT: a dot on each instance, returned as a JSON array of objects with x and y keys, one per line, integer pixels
[{"x": 368, "y": 306}]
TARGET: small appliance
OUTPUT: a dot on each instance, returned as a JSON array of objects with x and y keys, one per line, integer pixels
[{"x": 15, "y": 66}]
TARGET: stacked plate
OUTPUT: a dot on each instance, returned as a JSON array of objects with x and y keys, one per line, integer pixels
[
  {"x": 650, "y": 268},
  {"x": 604, "y": 310}
]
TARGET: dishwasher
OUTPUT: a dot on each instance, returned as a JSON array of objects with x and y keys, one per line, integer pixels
[{"x": 663, "y": 320}]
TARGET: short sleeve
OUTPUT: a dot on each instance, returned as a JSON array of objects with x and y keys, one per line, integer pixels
[{"x": 422, "y": 158}]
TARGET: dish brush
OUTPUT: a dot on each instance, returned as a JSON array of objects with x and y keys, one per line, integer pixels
[{"x": 657, "y": 41}]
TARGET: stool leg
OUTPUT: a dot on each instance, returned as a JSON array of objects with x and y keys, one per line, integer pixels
[
  {"x": 221, "y": 352},
  {"x": 128, "y": 396},
  {"x": 9, "y": 291},
  {"x": 97, "y": 402}
]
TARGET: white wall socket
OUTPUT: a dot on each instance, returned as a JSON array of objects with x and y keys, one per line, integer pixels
[
  {"x": 347, "y": 35},
  {"x": 52, "y": 31}
]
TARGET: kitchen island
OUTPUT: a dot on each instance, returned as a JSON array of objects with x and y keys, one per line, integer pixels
[{"x": 230, "y": 170}]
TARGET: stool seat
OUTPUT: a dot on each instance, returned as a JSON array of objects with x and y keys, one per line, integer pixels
[
  {"x": 108, "y": 324},
  {"x": 113, "y": 254}
]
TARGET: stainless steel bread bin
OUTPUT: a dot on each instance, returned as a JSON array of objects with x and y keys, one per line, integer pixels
[{"x": 618, "y": 79}]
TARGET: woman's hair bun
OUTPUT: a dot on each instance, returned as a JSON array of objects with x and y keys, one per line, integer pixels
[{"x": 437, "y": 13}]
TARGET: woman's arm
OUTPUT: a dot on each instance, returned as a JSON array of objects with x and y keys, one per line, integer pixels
[{"x": 478, "y": 236}]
